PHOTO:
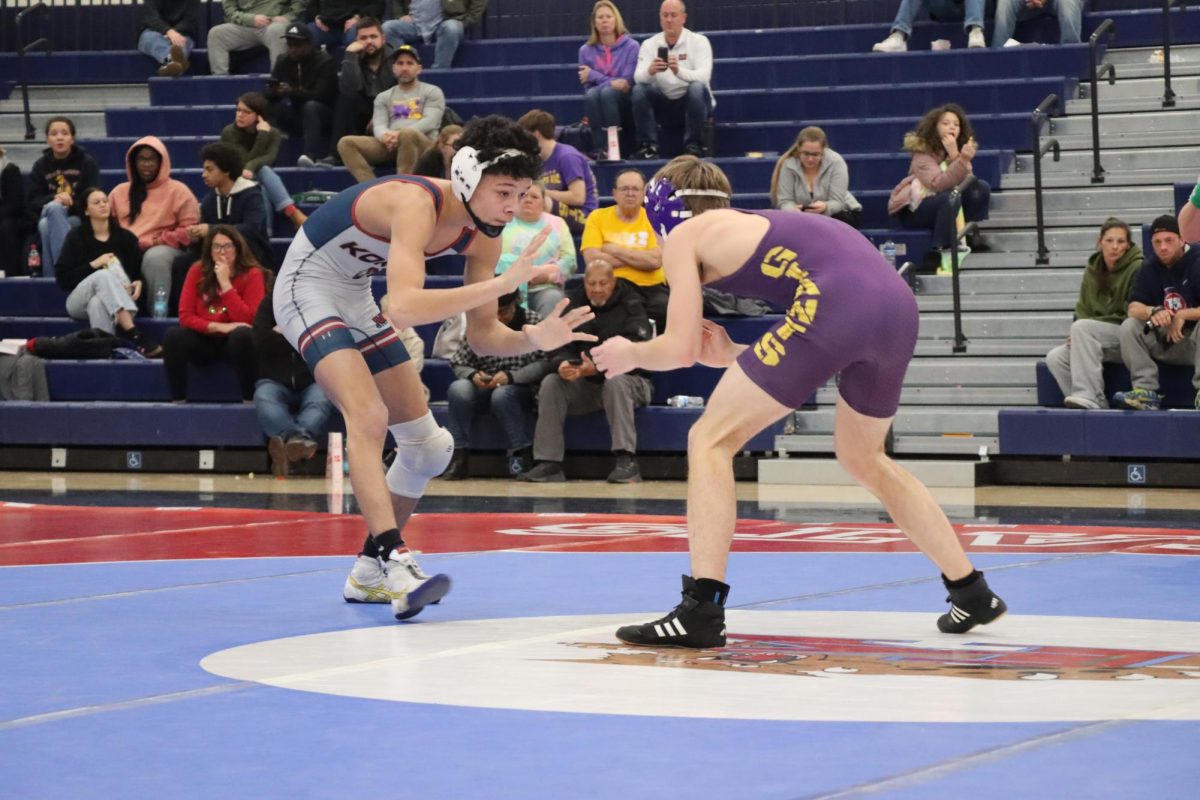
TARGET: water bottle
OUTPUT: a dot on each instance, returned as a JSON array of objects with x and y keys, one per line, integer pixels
[
  {"x": 684, "y": 401},
  {"x": 160, "y": 302},
  {"x": 888, "y": 249},
  {"x": 35, "y": 262}
]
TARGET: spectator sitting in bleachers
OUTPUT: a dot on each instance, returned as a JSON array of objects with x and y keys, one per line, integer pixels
[
  {"x": 63, "y": 171},
  {"x": 258, "y": 143},
  {"x": 1095, "y": 340},
  {"x": 442, "y": 22},
  {"x": 302, "y": 90},
  {"x": 100, "y": 270},
  {"x": 334, "y": 22},
  {"x": 293, "y": 410},
  {"x": 366, "y": 72},
  {"x": 157, "y": 209},
  {"x": 566, "y": 174},
  {"x": 1010, "y": 12},
  {"x": 167, "y": 34},
  {"x": 606, "y": 65},
  {"x": 220, "y": 298},
  {"x": 577, "y": 387},
  {"x": 406, "y": 116},
  {"x": 503, "y": 385},
  {"x": 942, "y": 146},
  {"x": 969, "y": 11},
  {"x": 249, "y": 24},
  {"x": 621, "y": 237},
  {"x": 555, "y": 259},
  {"x": 234, "y": 200},
  {"x": 1164, "y": 305},
  {"x": 812, "y": 177},
  {"x": 673, "y": 79},
  {"x": 1189, "y": 217},
  {"x": 435, "y": 161},
  {"x": 13, "y": 216}
]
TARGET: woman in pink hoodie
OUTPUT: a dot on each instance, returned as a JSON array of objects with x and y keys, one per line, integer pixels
[{"x": 157, "y": 209}]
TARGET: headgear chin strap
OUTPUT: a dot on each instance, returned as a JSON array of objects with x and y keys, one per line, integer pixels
[
  {"x": 466, "y": 172},
  {"x": 664, "y": 204}
]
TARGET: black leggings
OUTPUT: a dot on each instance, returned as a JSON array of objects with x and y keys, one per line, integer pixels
[{"x": 183, "y": 346}]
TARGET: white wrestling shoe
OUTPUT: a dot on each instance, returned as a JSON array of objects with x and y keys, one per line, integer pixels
[
  {"x": 367, "y": 582},
  {"x": 409, "y": 587}
]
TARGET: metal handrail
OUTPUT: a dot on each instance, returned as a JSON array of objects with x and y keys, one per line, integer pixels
[
  {"x": 1039, "y": 117},
  {"x": 1107, "y": 27},
  {"x": 1168, "y": 100},
  {"x": 955, "y": 203},
  {"x": 38, "y": 44}
]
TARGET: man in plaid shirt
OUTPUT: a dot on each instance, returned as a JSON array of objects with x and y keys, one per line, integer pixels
[{"x": 503, "y": 384}]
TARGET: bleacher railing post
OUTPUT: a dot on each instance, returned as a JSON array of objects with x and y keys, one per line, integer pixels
[
  {"x": 1168, "y": 100},
  {"x": 1107, "y": 27},
  {"x": 22, "y": 48},
  {"x": 960, "y": 340},
  {"x": 1036, "y": 120}
]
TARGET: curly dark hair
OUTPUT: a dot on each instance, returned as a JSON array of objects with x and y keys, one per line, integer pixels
[
  {"x": 492, "y": 134},
  {"x": 925, "y": 137}
]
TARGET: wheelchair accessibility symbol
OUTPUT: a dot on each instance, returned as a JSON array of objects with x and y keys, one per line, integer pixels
[
  {"x": 133, "y": 459},
  {"x": 1135, "y": 473}
]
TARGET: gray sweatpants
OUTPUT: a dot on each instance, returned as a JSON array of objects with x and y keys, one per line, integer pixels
[
  {"x": 1141, "y": 351},
  {"x": 557, "y": 398},
  {"x": 98, "y": 298},
  {"x": 227, "y": 37},
  {"x": 1078, "y": 368}
]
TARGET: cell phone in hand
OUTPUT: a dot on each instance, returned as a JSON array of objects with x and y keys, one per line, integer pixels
[
  {"x": 664, "y": 53},
  {"x": 575, "y": 362}
]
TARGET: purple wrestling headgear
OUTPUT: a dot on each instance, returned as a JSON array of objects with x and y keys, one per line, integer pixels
[{"x": 664, "y": 204}]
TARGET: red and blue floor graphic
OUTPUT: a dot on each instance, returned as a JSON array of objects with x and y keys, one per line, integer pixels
[{"x": 202, "y": 652}]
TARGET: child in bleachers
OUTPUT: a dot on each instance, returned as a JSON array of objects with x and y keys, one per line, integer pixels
[
  {"x": 258, "y": 143},
  {"x": 606, "y": 64},
  {"x": 101, "y": 270},
  {"x": 64, "y": 170},
  {"x": 812, "y": 177},
  {"x": 942, "y": 146}
]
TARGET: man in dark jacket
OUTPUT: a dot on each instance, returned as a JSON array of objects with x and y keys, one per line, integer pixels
[
  {"x": 167, "y": 33},
  {"x": 442, "y": 22},
  {"x": 14, "y": 217},
  {"x": 366, "y": 71},
  {"x": 334, "y": 21},
  {"x": 292, "y": 409},
  {"x": 577, "y": 387},
  {"x": 302, "y": 90}
]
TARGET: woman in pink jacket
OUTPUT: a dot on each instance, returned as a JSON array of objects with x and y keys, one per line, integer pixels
[
  {"x": 942, "y": 147},
  {"x": 157, "y": 209}
]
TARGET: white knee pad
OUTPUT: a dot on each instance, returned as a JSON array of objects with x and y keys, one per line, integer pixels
[{"x": 423, "y": 451}]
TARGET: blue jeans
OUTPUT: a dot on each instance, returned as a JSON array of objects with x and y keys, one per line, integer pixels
[
  {"x": 934, "y": 213},
  {"x": 313, "y": 121},
  {"x": 1010, "y": 12},
  {"x": 53, "y": 226},
  {"x": 447, "y": 36},
  {"x": 286, "y": 413},
  {"x": 333, "y": 37},
  {"x": 158, "y": 46},
  {"x": 971, "y": 12},
  {"x": 510, "y": 404},
  {"x": 650, "y": 104},
  {"x": 603, "y": 107},
  {"x": 274, "y": 192}
]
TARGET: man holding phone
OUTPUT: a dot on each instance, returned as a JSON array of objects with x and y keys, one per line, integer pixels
[{"x": 672, "y": 83}]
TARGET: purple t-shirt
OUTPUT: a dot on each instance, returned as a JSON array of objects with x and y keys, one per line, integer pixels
[{"x": 567, "y": 165}]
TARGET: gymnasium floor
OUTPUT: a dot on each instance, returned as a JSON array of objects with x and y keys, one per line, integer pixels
[{"x": 185, "y": 637}]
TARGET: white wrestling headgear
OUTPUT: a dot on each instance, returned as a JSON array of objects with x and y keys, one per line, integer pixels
[{"x": 466, "y": 172}]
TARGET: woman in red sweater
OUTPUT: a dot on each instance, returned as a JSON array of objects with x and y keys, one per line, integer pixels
[{"x": 220, "y": 296}]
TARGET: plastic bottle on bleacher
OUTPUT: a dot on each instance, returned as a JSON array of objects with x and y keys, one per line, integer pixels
[
  {"x": 685, "y": 401},
  {"x": 160, "y": 302},
  {"x": 35, "y": 262},
  {"x": 888, "y": 249}
]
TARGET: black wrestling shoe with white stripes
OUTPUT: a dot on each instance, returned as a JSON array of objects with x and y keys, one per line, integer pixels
[
  {"x": 970, "y": 606},
  {"x": 693, "y": 623}
]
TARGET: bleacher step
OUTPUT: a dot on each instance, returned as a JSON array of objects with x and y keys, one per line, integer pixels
[
  {"x": 87, "y": 124},
  {"x": 827, "y": 472},
  {"x": 1081, "y": 199},
  {"x": 73, "y": 99},
  {"x": 909, "y": 421},
  {"x": 1036, "y": 348},
  {"x": 988, "y": 325},
  {"x": 1082, "y": 178},
  {"x": 989, "y": 301},
  {"x": 1024, "y": 259},
  {"x": 1138, "y": 88},
  {"x": 1150, "y": 101},
  {"x": 1002, "y": 282},
  {"x": 1025, "y": 240},
  {"x": 1185, "y": 121},
  {"x": 954, "y": 395},
  {"x": 1114, "y": 159}
]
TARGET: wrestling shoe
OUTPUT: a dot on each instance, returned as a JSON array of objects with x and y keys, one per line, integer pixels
[
  {"x": 693, "y": 623},
  {"x": 970, "y": 606},
  {"x": 410, "y": 588},
  {"x": 367, "y": 582}
]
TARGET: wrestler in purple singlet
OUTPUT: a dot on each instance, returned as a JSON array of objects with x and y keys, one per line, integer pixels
[{"x": 848, "y": 312}]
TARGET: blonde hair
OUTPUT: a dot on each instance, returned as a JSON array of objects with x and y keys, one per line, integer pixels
[
  {"x": 810, "y": 134},
  {"x": 690, "y": 172},
  {"x": 619, "y": 29}
]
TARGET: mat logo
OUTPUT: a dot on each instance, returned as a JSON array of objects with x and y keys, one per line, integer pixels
[{"x": 824, "y": 657}]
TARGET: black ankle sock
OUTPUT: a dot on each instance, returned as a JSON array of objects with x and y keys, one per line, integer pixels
[
  {"x": 711, "y": 591},
  {"x": 963, "y": 583},
  {"x": 369, "y": 548},
  {"x": 387, "y": 541}
]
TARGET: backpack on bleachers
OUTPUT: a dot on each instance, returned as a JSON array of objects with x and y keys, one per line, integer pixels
[{"x": 89, "y": 343}]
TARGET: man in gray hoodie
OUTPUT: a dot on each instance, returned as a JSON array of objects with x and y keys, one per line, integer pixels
[{"x": 249, "y": 24}]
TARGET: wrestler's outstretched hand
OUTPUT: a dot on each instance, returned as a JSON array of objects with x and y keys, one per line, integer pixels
[
  {"x": 615, "y": 356},
  {"x": 523, "y": 269},
  {"x": 559, "y": 328}
]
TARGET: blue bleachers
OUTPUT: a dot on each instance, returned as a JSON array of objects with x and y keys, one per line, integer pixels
[
  {"x": 1175, "y": 385},
  {"x": 1108, "y": 433}
]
